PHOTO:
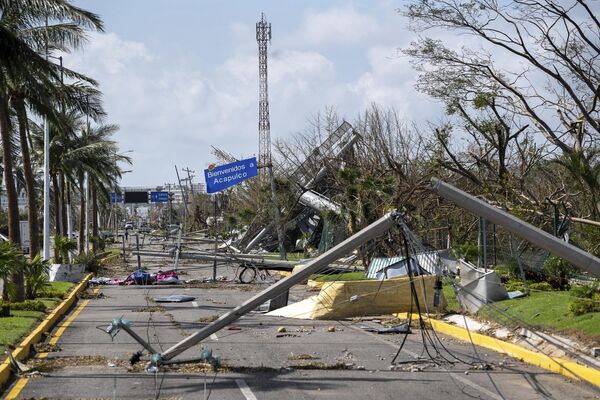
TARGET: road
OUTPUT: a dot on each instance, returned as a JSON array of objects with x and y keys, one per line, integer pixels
[{"x": 262, "y": 363}]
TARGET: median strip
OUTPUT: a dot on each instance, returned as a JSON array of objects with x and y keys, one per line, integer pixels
[{"x": 24, "y": 348}]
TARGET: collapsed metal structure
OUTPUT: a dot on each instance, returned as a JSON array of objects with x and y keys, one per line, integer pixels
[{"x": 306, "y": 177}]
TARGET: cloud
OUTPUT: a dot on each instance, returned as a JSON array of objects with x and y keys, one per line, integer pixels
[
  {"x": 172, "y": 107},
  {"x": 339, "y": 26}
]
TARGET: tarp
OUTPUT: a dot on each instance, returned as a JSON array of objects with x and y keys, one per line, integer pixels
[{"x": 338, "y": 300}]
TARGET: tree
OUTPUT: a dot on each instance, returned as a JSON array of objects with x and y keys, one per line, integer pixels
[
  {"x": 551, "y": 85},
  {"x": 23, "y": 66}
]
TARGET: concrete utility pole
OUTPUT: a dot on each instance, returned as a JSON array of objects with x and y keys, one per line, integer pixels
[{"x": 536, "y": 236}]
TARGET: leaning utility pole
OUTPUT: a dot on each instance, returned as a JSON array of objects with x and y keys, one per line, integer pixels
[{"x": 263, "y": 36}]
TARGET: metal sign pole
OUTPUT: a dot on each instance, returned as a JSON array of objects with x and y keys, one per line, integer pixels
[{"x": 214, "y": 277}]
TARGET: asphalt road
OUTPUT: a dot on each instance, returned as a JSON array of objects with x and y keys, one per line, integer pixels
[{"x": 263, "y": 363}]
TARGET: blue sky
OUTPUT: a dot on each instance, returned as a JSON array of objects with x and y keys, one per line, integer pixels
[{"x": 180, "y": 76}]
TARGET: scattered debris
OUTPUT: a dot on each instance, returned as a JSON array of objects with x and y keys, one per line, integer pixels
[
  {"x": 293, "y": 356},
  {"x": 402, "y": 328},
  {"x": 149, "y": 309},
  {"x": 208, "y": 319},
  {"x": 174, "y": 298},
  {"x": 286, "y": 335},
  {"x": 281, "y": 329},
  {"x": 331, "y": 329},
  {"x": 46, "y": 347},
  {"x": 90, "y": 295},
  {"x": 233, "y": 327},
  {"x": 323, "y": 366}
]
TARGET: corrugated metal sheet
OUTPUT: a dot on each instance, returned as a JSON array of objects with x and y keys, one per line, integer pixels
[
  {"x": 429, "y": 261},
  {"x": 378, "y": 263}
]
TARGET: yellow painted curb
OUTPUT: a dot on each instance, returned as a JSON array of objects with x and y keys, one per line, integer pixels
[
  {"x": 558, "y": 365},
  {"x": 24, "y": 348}
]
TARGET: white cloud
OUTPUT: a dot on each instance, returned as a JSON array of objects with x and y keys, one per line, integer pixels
[
  {"x": 337, "y": 26},
  {"x": 171, "y": 109}
]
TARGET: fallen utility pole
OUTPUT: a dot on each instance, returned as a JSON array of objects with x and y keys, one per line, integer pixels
[
  {"x": 372, "y": 231},
  {"x": 538, "y": 237}
]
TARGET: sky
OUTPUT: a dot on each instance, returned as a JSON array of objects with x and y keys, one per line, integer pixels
[{"x": 180, "y": 76}]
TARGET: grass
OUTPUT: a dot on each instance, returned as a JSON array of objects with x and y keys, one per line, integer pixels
[
  {"x": 20, "y": 323},
  {"x": 290, "y": 256},
  {"x": 548, "y": 311},
  {"x": 346, "y": 276},
  {"x": 452, "y": 306}
]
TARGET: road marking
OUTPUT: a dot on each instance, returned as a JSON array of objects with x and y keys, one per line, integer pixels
[
  {"x": 245, "y": 389},
  {"x": 195, "y": 304},
  {"x": 20, "y": 385},
  {"x": 214, "y": 336},
  {"x": 475, "y": 386}
]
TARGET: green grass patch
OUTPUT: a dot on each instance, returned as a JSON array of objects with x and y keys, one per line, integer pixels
[
  {"x": 546, "y": 310},
  {"x": 290, "y": 256},
  {"x": 14, "y": 328},
  {"x": 453, "y": 306},
  {"x": 56, "y": 290},
  {"x": 346, "y": 276},
  {"x": 17, "y": 326}
]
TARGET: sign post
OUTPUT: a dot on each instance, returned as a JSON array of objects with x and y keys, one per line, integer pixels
[{"x": 222, "y": 177}]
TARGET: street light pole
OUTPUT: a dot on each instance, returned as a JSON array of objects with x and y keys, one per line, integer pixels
[{"x": 46, "y": 243}]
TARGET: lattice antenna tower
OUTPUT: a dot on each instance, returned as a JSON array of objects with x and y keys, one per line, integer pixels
[{"x": 263, "y": 37}]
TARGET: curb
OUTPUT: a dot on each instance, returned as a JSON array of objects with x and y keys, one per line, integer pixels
[
  {"x": 24, "y": 348},
  {"x": 567, "y": 368}
]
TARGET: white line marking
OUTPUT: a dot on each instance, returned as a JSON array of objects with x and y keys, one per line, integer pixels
[
  {"x": 475, "y": 386},
  {"x": 245, "y": 389},
  {"x": 195, "y": 304},
  {"x": 214, "y": 336}
]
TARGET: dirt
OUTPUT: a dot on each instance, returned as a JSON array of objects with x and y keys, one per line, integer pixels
[
  {"x": 46, "y": 347},
  {"x": 149, "y": 309}
]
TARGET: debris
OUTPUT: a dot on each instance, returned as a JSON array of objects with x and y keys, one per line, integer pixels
[
  {"x": 286, "y": 335},
  {"x": 149, "y": 309},
  {"x": 596, "y": 351},
  {"x": 166, "y": 278},
  {"x": 208, "y": 319},
  {"x": 320, "y": 365},
  {"x": 112, "y": 364},
  {"x": 402, "y": 328},
  {"x": 174, "y": 298},
  {"x": 90, "y": 295},
  {"x": 46, "y": 347},
  {"x": 234, "y": 328},
  {"x": 331, "y": 329},
  {"x": 293, "y": 356},
  {"x": 281, "y": 329}
]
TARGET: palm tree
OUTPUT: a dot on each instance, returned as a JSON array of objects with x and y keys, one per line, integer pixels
[{"x": 24, "y": 38}]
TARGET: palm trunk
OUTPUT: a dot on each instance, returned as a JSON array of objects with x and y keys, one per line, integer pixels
[
  {"x": 56, "y": 193},
  {"x": 81, "y": 215},
  {"x": 94, "y": 217},
  {"x": 32, "y": 209},
  {"x": 14, "y": 234}
]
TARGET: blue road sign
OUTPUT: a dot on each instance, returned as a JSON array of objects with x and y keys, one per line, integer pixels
[
  {"x": 159, "y": 197},
  {"x": 114, "y": 198},
  {"x": 224, "y": 176}
]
